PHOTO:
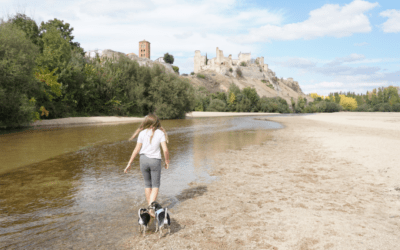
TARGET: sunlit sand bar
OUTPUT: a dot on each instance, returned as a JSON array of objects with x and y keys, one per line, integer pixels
[{"x": 325, "y": 181}]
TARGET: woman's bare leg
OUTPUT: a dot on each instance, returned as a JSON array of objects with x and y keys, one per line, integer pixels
[
  {"x": 147, "y": 191},
  {"x": 153, "y": 195}
]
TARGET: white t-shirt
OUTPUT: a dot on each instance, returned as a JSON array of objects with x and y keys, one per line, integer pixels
[{"x": 151, "y": 150}]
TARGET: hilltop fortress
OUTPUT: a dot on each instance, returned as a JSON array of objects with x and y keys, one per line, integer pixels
[
  {"x": 254, "y": 69},
  {"x": 220, "y": 63}
]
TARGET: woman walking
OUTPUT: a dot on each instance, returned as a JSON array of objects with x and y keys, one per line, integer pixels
[{"x": 151, "y": 135}]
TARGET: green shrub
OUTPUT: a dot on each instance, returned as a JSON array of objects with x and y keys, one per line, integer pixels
[
  {"x": 333, "y": 107},
  {"x": 201, "y": 76},
  {"x": 382, "y": 107},
  {"x": 230, "y": 70},
  {"x": 216, "y": 105},
  {"x": 363, "y": 108},
  {"x": 244, "y": 105},
  {"x": 310, "y": 109},
  {"x": 396, "y": 107},
  {"x": 273, "y": 105},
  {"x": 192, "y": 73},
  {"x": 176, "y": 69},
  {"x": 239, "y": 72},
  {"x": 271, "y": 86},
  {"x": 244, "y": 64},
  {"x": 264, "y": 81},
  {"x": 321, "y": 106}
]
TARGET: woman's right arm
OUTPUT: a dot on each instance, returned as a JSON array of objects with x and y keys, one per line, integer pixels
[{"x": 166, "y": 153}]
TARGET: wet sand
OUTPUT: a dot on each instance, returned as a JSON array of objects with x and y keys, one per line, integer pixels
[
  {"x": 98, "y": 120},
  {"x": 325, "y": 181}
]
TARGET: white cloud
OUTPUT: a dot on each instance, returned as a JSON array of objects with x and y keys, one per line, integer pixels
[
  {"x": 361, "y": 44},
  {"x": 351, "y": 58},
  {"x": 329, "y": 20},
  {"x": 392, "y": 25},
  {"x": 296, "y": 62}
]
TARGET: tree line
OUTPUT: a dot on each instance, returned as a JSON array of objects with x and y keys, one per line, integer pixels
[
  {"x": 385, "y": 99},
  {"x": 45, "y": 75}
]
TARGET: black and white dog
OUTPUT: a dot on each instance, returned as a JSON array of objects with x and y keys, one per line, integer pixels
[
  {"x": 143, "y": 220},
  {"x": 162, "y": 217}
]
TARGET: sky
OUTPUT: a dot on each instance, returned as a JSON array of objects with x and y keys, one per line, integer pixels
[{"x": 327, "y": 46}]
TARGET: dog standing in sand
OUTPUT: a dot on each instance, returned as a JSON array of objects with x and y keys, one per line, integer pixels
[
  {"x": 143, "y": 220},
  {"x": 162, "y": 217}
]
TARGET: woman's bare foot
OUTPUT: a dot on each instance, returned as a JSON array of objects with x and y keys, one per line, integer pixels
[{"x": 152, "y": 214}]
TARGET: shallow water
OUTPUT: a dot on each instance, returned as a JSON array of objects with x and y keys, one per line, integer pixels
[{"x": 65, "y": 187}]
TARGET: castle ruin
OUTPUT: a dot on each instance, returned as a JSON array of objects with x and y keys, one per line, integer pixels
[
  {"x": 220, "y": 62},
  {"x": 250, "y": 68}
]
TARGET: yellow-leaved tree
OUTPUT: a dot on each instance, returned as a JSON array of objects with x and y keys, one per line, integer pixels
[
  {"x": 52, "y": 86},
  {"x": 348, "y": 103},
  {"x": 232, "y": 98}
]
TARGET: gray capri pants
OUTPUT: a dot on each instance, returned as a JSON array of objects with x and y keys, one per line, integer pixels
[{"x": 151, "y": 170}]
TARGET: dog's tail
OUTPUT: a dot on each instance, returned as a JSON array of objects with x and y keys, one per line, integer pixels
[
  {"x": 140, "y": 218},
  {"x": 165, "y": 216}
]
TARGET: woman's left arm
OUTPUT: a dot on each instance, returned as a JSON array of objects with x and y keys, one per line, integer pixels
[{"x": 135, "y": 152}]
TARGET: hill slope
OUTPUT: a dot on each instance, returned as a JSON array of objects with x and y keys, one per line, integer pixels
[{"x": 272, "y": 87}]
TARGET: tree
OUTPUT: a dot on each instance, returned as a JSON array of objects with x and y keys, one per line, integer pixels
[
  {"x": 244, "y": 105},
  {"x": 171, "y": 97},
  {"x": 300, "y": 105},
  {"x": 176, "y": 69},
  {"x": 27, "y": 25},
  {"x": 293, "y": 103},
  {"x": 206, "y": 59},
  {"x": 216, "y": 105},
  {"x": 252, "y": 95},
  {"x": 232, "y": 98},
  {"x": 56, "y": 51},
  {"x": 65, "y": 31},
  {"x": 348, "y": 103},
  {"x": 168, "y": 58},
  {"x": 17, "y": 83}
]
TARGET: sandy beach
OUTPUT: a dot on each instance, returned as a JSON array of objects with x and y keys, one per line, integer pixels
[
  {"x": 103, "y": 120},
  {"x": 325, "y": 181}
]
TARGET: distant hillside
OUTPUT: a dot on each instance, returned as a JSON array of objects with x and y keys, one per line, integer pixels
[{"x": 272, "y": 87}]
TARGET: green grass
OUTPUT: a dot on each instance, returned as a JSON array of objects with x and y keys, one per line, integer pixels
[{"x": 201, "y": 76}]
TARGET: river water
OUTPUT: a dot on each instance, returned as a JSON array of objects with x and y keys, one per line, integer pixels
[{"x": 64, "y": 187}]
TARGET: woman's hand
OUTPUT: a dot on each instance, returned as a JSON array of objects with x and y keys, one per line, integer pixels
[
  {"x": 166, "y": 164},
  {"x": 127, "y": 167}
]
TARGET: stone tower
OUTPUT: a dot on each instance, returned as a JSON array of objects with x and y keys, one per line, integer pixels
[{"x": 144, "y": 49}]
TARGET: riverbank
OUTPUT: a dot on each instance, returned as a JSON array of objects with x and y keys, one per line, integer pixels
[
  {"x": 326, "y": 181},
  {"x": 96, "y": 120}
]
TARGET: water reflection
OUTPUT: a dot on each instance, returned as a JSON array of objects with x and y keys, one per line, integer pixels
[{"x": 78, "y": 199}]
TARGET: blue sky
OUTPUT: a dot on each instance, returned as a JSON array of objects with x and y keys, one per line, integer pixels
[{"x": 326, "y": 46}]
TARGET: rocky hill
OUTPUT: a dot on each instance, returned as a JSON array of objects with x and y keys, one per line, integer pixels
[
  {"x": 219, "y": 72},
  {"x": 271, "y": 86}
]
